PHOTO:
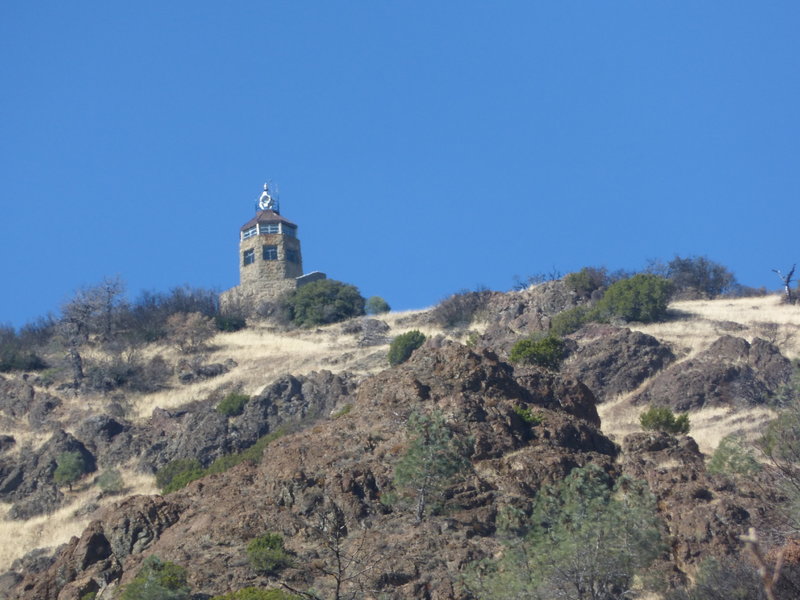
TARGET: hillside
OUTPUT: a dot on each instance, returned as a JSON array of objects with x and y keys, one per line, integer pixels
[{"x": 337, "y": 420}]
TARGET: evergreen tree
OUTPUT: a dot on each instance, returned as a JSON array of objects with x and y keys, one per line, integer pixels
[
  {"x": 585, "y": 540},
  {"x": 158, "y": 580},
  {"x": 70, "y": 466},
  {"x": 435, "y": 459}
]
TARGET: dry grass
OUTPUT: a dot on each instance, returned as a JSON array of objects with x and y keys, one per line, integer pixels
[
  {"x": 49, "y": 531},
  {"x": 697, "y": 325},
  {"x": 263, "y": 353},
  {"x": 699, "y": 322},
  {"x": 708, "y": 425}
]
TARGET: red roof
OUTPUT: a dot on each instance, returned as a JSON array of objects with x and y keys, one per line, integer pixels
[{"x": 266, "y": 216}]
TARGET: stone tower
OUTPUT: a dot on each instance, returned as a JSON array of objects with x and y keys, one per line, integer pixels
[{"x": 270, "y": 260}]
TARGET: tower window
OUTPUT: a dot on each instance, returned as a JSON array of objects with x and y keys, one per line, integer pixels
[
  {"x": 292, "y": 255},
  {"x": 249, "y": 232},
  {"x": 288, "y": 230},
  {"x": 270, "y": 252},
  {"x": 268, "y": 228},
  {"x": 248, "y": 257}
]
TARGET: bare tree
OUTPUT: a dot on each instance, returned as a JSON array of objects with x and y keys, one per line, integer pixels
[
  {"x": 190, "y": 331},
  {"x": 346, "y": 559},
  {"x": 787, "y": 282},
  {"x": 349, "y": 561},
  {"x": 109, "y": 294},
  {"x": 91, "y": 310}
]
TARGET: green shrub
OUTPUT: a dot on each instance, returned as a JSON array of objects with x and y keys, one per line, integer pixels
[
  {"x": 586, "y": 281},
  {"x": 70, "y": 466},
  {"x": 345, "y": 410},
  {"x": 229, "y": 322},
  {"x": 110, "y": 481},
  {"x": 233, "y": 404},
  {"x": 472, "y": 339},
  {"x": 252, "y": 454},
  {"x": 643, "y": 298},
  {"x": 16, "y": 352},
  {"x": 89, "y": 596},
  {"x": 547, "y": 352},
  {"x": 403, "y": 345},
  {"x": 570, "y": 320},
  {"x": 158, "y": 580},
  {"x": 18, "y": 360},
  {"x": 526, "y": 414},
  {"x": 252, "y": 593},
  {"x": 178, "y": 474},
  {"x": 661, "y": 418},
  {"x": 376, "y": 305},
  {"x": 324, "y": 301},
  {"x": 732, "y": 458},
  {"x": 267, "y": 554}
]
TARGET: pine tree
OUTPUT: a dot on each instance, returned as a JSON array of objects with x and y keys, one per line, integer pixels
[{"x": 435, "y": 459}]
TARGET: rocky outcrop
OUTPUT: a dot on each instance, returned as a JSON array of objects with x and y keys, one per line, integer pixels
[
  {"x": 111, "y": 440},
  {"x": 517, "y": 314},
  {"x": 192, "y": 372},
  {"x": 6, "y": 442},
  {"x": 368, "y": 332},
  {"x": 200, "y": 432},
  {"x": 346, "y": 464},
  {"x": 614, "y": 360},
  {"x": 27, "y": 478},
  {"x": 731, "y": 372},
  {"x": 87, "y": 564},
  {"x": 524, "y": 428},
  {"x": 703, "y": 514},
  {"x": 18, "y": 399}
]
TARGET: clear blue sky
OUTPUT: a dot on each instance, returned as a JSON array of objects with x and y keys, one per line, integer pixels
[{"x": 422, "y": 147}]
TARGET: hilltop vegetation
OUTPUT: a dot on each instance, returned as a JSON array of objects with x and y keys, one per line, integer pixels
[{"x": 299, "y": 462}]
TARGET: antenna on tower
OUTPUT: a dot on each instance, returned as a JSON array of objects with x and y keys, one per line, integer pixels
[
  {"x": 275, "y": 192},
  {"x": 269, "y": 198}
]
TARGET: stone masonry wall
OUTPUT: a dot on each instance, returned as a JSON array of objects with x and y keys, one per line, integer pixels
[
  {"x": 262, "y": 271},
  {"x": 264, "y": 280}
]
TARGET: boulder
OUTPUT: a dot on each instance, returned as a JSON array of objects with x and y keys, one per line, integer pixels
[
  {"x": 615, "y": 360},
  {"x": 731, "y": 372}
]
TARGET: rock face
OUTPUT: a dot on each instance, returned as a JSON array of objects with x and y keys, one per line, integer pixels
[
  {"x": 194, "y": 431},
  {"x": 614, "y": 360},
  {"x": 731, "y": 372},
  {"x": 19, "y": 399},
  {"x": 524, "y": 428},
  {"x": 703, "y": 514},
  {"x": 344, "y": 466},
  {"x": 111, "y": 440},
  {"x": 198, "y": 431},
  {"x": 27, "y": 479},
  {"x": 88, "y": 563},
  {"x": 518, "y": 314}
]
